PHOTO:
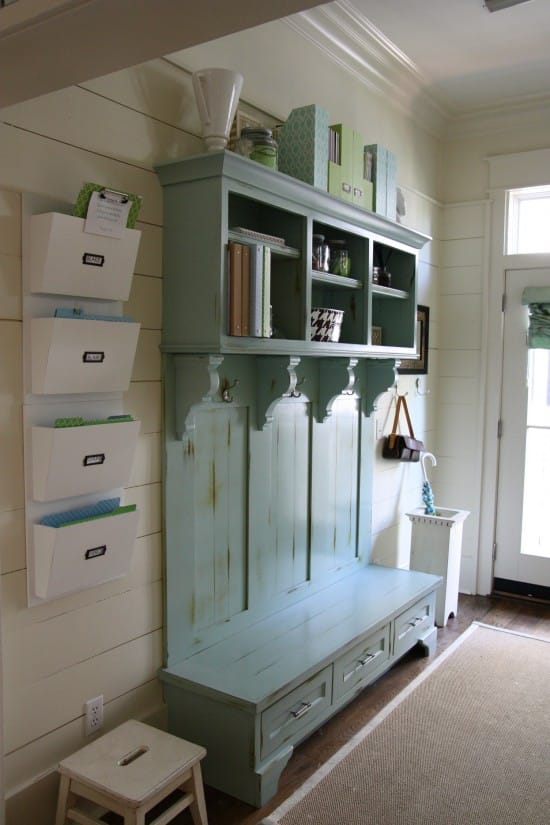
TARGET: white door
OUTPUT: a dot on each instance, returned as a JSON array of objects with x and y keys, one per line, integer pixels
[{"x": 523, "y": 503}]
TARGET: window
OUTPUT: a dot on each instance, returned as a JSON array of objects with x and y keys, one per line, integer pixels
[{"x": 528, "y": 220}]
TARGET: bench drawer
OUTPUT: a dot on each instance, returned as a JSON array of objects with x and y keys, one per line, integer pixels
[
  {"x": 362, "y": 663},
  {"x": 410, "y": 625},
  {"x": 296, "y": 712}
]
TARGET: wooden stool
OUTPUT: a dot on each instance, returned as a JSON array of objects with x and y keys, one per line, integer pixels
[{"x": 130, "y": 770}]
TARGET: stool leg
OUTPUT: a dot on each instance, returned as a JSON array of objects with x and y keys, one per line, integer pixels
[
  {"x": 62, "y": 800},
  {"x": 198, "y": 807}
]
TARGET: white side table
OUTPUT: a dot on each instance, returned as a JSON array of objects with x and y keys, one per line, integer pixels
[{"x": 436, "y": 547}]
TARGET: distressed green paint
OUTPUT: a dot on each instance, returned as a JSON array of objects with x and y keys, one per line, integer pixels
[
  {"x": 220, "y": 513},
  {"x": 289, "y": 495},
  {"x": 268, "y": 458},
  {"x": 335, "y": 488}
]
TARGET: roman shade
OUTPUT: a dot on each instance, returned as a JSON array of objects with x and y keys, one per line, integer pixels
[{"x": 538, "y": 301}]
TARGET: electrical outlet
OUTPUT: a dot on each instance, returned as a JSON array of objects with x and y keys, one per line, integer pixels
[{"x": 94, "y": 715}]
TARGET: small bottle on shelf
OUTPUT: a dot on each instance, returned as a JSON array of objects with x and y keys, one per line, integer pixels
[
  {"x": 258, "y": 143},
  {"x": 340, "y": 261},
  {"x": 320, "y": 254}
]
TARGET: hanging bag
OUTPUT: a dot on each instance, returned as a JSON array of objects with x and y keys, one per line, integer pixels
[{"x": 402, "y": 447}]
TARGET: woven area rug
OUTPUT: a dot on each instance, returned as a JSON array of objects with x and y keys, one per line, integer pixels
[{"x": 467, "y": 743}]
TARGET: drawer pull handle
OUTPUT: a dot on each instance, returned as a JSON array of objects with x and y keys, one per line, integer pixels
[
  {"x": 366, "y": 659},
  {"x": 416, "y": 621},
  {"x": 305, "y": 708}
]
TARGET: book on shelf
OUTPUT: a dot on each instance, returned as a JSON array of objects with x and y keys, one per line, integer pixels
[
  {"x": 235, "y": 287},
  {"x": 256, "y": 289},
  {"x": 266, "y": 293},
  {"x": 245, "y": 293},
  {"x": 249, "y": 290}
]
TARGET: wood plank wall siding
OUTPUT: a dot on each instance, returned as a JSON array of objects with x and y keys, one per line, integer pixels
[
  {"x": 463, "y": 277},
  {"x": 108, "y": 639}
]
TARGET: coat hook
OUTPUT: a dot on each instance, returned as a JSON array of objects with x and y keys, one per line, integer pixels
[
  {"x": 418, "y": 392},
  {"x": 294, "y": 392},
  {"x": 226, "y": 386}
]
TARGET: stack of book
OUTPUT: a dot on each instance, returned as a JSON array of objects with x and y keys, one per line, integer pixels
[{"x": 249, "y": 290}]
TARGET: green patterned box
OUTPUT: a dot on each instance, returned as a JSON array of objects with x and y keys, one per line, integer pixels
[
  {"x": 303, "y": 145},
  {"x": 346, "y": 179}
]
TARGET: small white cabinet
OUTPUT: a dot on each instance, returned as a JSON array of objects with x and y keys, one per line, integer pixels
[
  {"x": 76, "y": 368},
  {"x": 436, "y": 547}
]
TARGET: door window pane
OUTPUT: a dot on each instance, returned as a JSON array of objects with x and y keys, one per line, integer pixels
[
  {"x": 535, "y": 535},
  {"x": 529, "y": 220}
]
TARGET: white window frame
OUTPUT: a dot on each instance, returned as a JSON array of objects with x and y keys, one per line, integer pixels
[
  {"x": 506, "y": 173},
  {"x": 515, "y": 199}
]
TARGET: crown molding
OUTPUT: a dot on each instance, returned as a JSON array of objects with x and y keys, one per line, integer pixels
[
  {"x": 349, "y": 39},
  {"x": 528, "y": 111}
]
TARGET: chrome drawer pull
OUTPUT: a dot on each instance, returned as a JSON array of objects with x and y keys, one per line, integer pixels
[
  {"x": 367, "y": 659},
  {"x": 306, "y": 706},
  {"x": 416, "y": 621}
]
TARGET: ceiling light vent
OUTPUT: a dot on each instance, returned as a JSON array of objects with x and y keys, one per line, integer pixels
[{"x": 498, "y": 5}]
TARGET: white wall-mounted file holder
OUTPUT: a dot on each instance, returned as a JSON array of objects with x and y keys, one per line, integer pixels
[
  {"x": 81, "y": 356},
  {"x": 73, "y": 461},
  {"x": 66, "y": 260},
  {"x": 81, "y": 555}
]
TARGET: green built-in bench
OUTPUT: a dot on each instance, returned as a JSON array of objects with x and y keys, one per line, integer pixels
[{"x": 251, "y": 698}]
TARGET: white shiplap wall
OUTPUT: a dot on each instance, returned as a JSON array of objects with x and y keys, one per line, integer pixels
[
  {"x": 464, "y": 272},
  {"x": 107, "y": 639},
  {"x": 397, "y": 486}
]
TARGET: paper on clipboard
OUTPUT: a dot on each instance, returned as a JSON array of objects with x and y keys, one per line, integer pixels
[{"x": 107, "y": 213}]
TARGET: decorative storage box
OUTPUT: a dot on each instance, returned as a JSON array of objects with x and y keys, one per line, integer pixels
[
  {"x": 66, "y": 260},
  {"x": 346, "y": 176},
  {"x": 81, "y": 555},
  {"x": 384, "y": 178},
  {"x": 303, "y": 145},
  {"x": 81, "y": 356},
  {"x": 326, "y": 324},
  {"x": 376, "y": 336},
  {"x": 72, "y": 461}
]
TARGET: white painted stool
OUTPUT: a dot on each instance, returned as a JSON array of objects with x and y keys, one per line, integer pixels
[{"x": 130, "y": 770}]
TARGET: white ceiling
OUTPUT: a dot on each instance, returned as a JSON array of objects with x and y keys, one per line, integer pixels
[
  {"x": 459, "y": 55},
  {"x": 467, "y": 56}
]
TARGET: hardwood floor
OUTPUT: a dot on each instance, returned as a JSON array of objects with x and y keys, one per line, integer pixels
[{"x": 514, "y": 614}]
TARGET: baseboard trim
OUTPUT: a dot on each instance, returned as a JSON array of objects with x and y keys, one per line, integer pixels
[{"x": 521, "y": 590}]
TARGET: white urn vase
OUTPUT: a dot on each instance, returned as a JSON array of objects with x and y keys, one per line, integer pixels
[{"x": 217, "y": 94}]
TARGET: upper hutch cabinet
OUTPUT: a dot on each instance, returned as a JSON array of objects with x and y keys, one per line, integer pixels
[{"x": 209, "y": 199}]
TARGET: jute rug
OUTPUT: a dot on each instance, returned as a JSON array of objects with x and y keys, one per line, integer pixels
[{"x": 467, "y": 743}]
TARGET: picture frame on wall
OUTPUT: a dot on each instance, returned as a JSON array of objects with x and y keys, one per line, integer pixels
[{"x": 418, "y": 366}]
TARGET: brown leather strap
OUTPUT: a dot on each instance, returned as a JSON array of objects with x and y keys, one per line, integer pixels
[
  {"x": 396, "y": 416},
  {"x": 411, "y": 431},
  {"x": 401, "y": 400}
]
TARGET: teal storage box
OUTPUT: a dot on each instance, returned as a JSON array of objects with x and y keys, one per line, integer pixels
[
  {"x": 303, "y": 145},
  {"x": 384, "y": 178},
  {"x": 391, "y": 185}
]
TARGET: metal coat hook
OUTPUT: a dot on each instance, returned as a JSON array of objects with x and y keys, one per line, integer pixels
[
  {"x": 294, "y": 391},
  {"x": 226, "y": 395},
  {"x": 418, "y": 392}
]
